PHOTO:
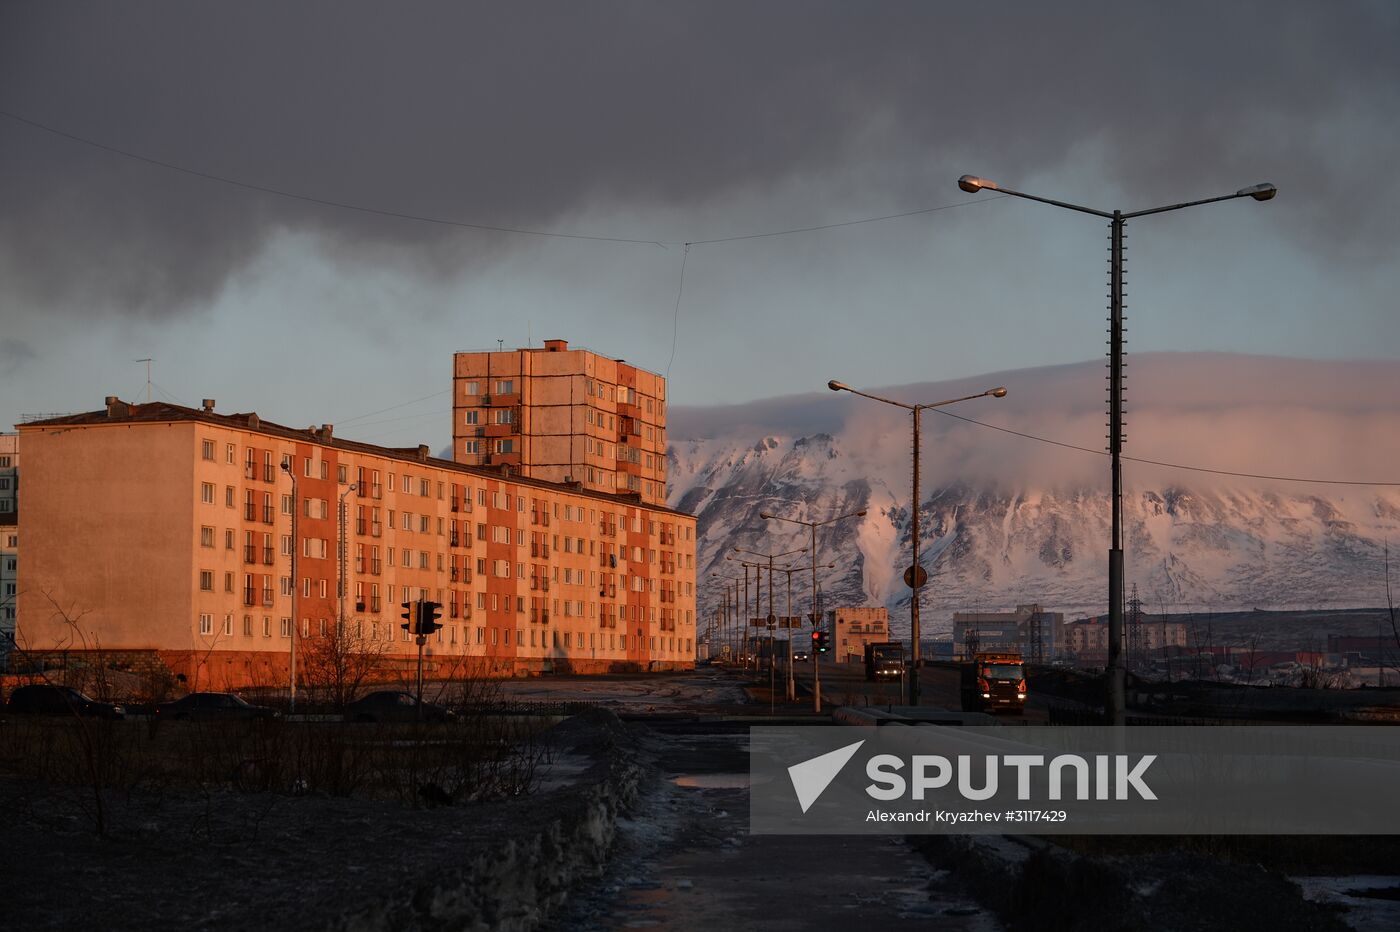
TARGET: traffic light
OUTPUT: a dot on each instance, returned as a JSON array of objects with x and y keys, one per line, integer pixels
[
  {"x": 429, "y": 613},
  {"x": 819, "y": 638},
  {"x": 410, "y": 617}
]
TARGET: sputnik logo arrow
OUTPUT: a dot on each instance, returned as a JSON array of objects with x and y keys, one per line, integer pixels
[{"x": 811, "y": 777}]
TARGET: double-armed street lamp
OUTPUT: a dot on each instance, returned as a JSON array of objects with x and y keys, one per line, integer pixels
[
  {"x": 915, "y": 576},
  {"x": 1114, "y": 704},
  {"x": 816, "y": 622}
]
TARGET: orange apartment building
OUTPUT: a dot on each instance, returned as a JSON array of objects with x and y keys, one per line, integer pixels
[
  {"x": 562, "y": 415},
  {"x": 160, "y": 532}
]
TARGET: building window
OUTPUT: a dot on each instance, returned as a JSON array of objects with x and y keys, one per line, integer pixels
[
  {"x": 505, "y": 386},
  {"x": 505, "y": 446},
  {"x": 471, "y": 417},
  {"x": 228, "y": 625},
  {"x": 206, "y": 493},
  {"x": 206, "y": 580},
  {"x": 471, "y": 446},
  {"x": 206, "y": 624},
  {"x": 473, "y": 388},
  {"x": 206, "y": 537},
  {"x": 207, "y": 450},
  {"x": 286, "y": 627}
]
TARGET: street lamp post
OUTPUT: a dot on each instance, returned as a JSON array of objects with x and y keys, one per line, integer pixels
[
  {"x": 916, "y": 575},
  {"x": 728, "y": 617},
  {"x": 341, "y": 583},
  {"x": 816, "y": 622},
  {"x": 1114, "y": 704},
  {"x": 771, "y": 619},
  {"x": 287, "y": 463}
]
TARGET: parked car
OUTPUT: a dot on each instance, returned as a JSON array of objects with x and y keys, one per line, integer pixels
[
  {"x": 45, "y": 699},
  {"x": 213, "y": 707},
  {"x": 395, "y": 706}
]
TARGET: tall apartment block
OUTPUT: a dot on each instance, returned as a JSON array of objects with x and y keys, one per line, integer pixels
[
  {"x": 562, "y": 415},
  {"x": 157, "y": 534}
]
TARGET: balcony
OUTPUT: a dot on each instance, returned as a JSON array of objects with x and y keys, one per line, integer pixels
[
  {"x": 360, "y": 567},
  {"x": 501, "y": 401},
  {"x": 453, "y": 576},
  {"x": 250, "y": 470},
  {"x": 250, "y": 553},
  {"x": 267, "y": 514},
  {"x": 269, "y": 473},
  {"x": 456, "y": 504},
  {"x": 360, "y": 525},
  {"x": 268, "y": 557},
  {"x": 250, "y": 596},
  {"x": 250, "y": 512},
  {"x": 374, "y": 566},
  {"x": 374, "y": 604},
  {"x": 267, "y": 598},
  {"x": 376, "y": 529}
]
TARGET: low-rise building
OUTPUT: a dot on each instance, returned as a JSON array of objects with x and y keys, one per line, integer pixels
[
  {"x": 853, "y": 628},
  {"x": 161, "y": 531}
]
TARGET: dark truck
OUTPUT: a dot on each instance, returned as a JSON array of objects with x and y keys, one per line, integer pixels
[
  {"x": 884, "y": 660},
  {"x": 992, "y": 682}
]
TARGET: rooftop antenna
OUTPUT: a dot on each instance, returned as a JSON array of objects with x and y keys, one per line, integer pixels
[
  {"x": 148, "y": 362},
  {"x": 500, "y": 345}
]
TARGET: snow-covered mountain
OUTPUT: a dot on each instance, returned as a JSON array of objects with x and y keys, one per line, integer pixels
[{"x": 1008, "y": 520}]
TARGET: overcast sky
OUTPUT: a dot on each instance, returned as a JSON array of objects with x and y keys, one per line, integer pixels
[{"x": 650, "y": 125}]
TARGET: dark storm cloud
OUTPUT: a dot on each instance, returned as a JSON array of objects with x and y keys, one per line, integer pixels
[{"x": 524, "y": 114}]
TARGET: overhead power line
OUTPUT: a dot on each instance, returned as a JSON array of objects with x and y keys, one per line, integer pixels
[{"x": 1136, "y": 459}]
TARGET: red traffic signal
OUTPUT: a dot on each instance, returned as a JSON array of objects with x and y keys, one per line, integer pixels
[{"x": 428, "y": 615}]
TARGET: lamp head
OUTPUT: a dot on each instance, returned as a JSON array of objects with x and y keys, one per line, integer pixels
[
  {"x": 861, "y": 513},
  {"x": 836, "y": 386},
  {"x": 998, "y": 392},
  {"x": 765, "y": 516},
  {"x": 1260, "y": 192},
  {"x": 972, "y": 184}
]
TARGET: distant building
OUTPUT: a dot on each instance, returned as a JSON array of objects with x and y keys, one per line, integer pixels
[
  {"x": 1085, "y": 641},
  {"x": 1029, "y": 629},
  {"x": 9, "y": 473},
  {"x": 562, "y": 415},
  {"x": 853, "y": 628}
]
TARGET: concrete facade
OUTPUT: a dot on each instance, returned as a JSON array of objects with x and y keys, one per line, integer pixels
[
  {"x": 9, "y": 473},
  {"x": 166, "y": 530},
  {"x": 562, "y": 415},
  {"x": 9, "y": 582},
  {"x": 853, "y": 628}
]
